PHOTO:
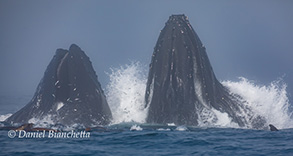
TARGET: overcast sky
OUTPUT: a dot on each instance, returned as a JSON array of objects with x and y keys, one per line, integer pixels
[{"x": 249, "y": 38}]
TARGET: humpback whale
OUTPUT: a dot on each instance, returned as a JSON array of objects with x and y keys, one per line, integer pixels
[
  {"x": 182, "y": 87},
  {"x": 68, "y": 93}
]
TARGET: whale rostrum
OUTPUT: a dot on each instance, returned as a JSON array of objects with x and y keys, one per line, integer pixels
[
  {"x": 182, "y": 87},
  {"x": 68, "y": 93}
]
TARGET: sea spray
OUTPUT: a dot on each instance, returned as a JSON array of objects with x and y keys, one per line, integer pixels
[
  {"x": 135, "y": 128},
  {"x": 269, "y": 101},
  {"x": 4, "y": 117},
  {"x": 46, "y": 121},
  {"x": 125, "y": 93}
]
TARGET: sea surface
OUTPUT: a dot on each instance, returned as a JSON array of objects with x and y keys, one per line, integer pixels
[
  {"x": 133, "y": 138},
  {"x": 161, "y": 141}
]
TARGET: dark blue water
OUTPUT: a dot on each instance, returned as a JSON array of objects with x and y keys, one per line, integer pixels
[{"x": 196, "y": 141}]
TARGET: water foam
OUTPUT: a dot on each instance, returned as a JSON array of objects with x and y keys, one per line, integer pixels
[
  {"x": 270, "y": 101},
  {"x": 181, "y": 128},
  {"x": 4, "y": 117},
  {"x": 162, "y": 129},
  {"x": 135, "y": 128},
  {"x": 223, "y": 120},
  {"x": 45, "y": 121},
  {"x": 125, "y": 93},
  {"x": 210, "y": 117}
]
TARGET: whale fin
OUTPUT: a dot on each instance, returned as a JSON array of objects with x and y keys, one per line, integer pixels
[{"x": 273, "y": 128}]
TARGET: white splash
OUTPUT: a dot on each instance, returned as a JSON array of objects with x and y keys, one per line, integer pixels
[
  {"x": 269, "y": 101},
  {"x": 162, "y": 129},
  {"x": 223, "y": 120},
  {"x": 45, "y": 121},
  {"x": 126, "y": 92},
  {"x": 135, "y": 128},
  {"x": 4, "y": 117},
  {"x": 181, "y": 128},
  {"x": 71, "y": 127},
  {"x": 171, "y": 124}
]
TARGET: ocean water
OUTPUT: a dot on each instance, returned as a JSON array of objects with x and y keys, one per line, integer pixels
[
  {"x": 129, "y": 135},
  {"x": 161, "y": 141}
]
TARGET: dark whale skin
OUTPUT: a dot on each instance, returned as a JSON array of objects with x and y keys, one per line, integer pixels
[
  {"x": 273, "y": 128},
  {"x": 69, "y": 80},
  {"x": 181, "y": 81}
]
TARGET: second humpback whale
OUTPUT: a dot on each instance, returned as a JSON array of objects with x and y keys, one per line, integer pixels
[
  {"x": 69, "y": 93},
  {"x": 182, "y": 87}
]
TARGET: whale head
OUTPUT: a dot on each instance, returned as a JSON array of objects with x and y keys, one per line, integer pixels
[{"x": 68, "y": 93}]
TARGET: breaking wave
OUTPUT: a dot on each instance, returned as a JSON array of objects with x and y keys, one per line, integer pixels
[{"x": 126, "y": 90}]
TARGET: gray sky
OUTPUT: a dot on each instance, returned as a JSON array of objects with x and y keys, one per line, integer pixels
[{"x": 249, "y": 38}]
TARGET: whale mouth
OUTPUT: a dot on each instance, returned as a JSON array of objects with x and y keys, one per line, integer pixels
[
  {"x": 68, "y": 93},
  {"x": 182, "y": 87}
]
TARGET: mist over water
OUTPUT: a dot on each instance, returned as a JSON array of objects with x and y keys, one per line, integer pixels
[{"x": 126, "y": 90}]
